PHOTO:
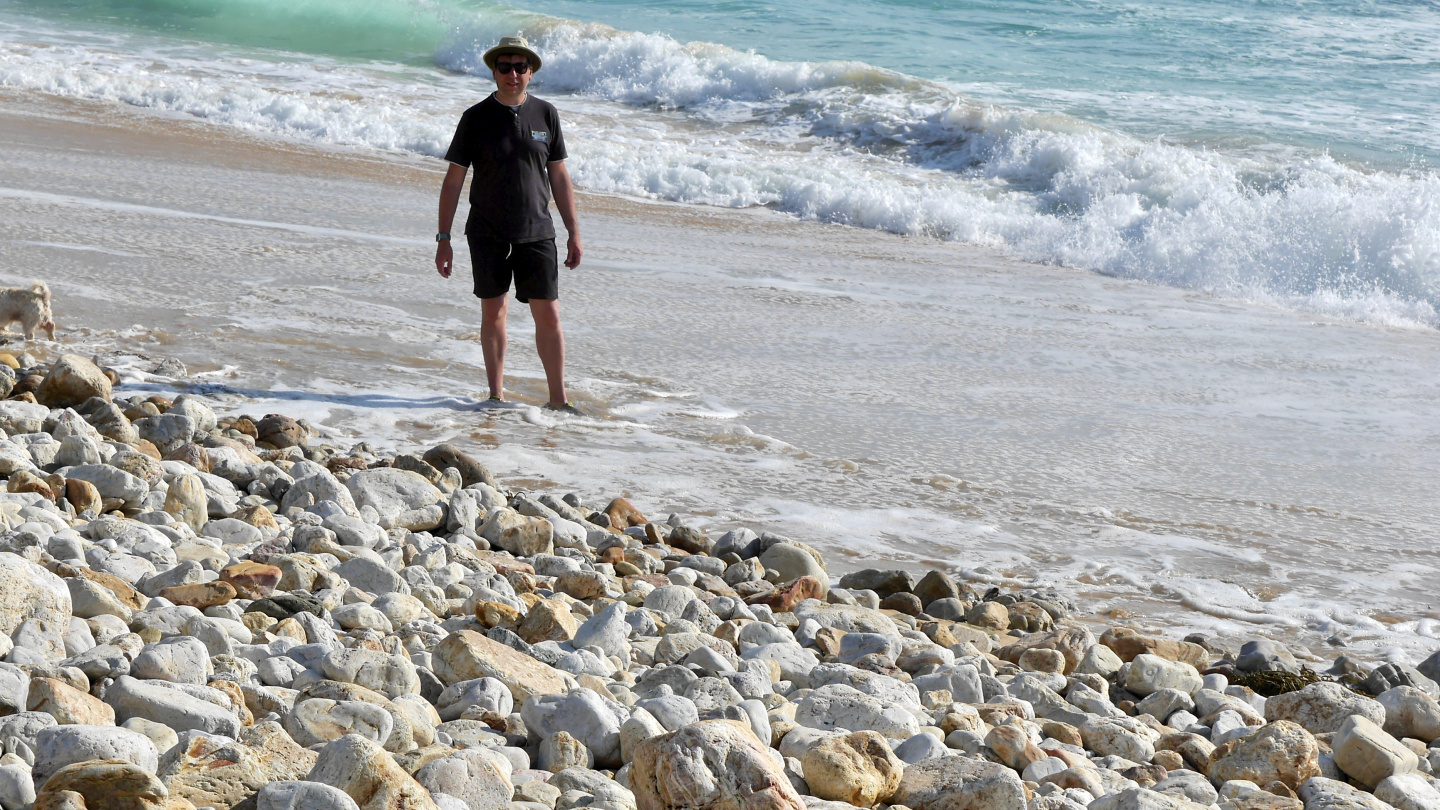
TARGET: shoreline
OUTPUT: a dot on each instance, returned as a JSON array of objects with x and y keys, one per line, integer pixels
[{"x": 392, "y": 198}]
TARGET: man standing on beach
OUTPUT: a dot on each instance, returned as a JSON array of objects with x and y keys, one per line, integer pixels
[{"x": 513, "y": 141}]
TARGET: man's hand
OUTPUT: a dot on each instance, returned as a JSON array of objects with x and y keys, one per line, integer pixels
[
  {"x": 445, "y": 257},
  {"x": 573, "y": 252}
]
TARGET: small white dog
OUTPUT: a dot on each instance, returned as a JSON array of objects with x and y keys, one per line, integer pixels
[{"x": 30, "y": 306}]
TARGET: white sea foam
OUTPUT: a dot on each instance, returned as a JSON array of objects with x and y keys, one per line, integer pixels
[{"x": 840, "y": 142}]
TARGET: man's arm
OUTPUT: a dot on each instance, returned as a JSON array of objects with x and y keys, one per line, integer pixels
[
  {"x": 564, "y": 192},
  {"x": 449, "y": 201}
]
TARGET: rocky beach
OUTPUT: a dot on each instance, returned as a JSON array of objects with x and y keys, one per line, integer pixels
[{"x": 206, "y": 606}]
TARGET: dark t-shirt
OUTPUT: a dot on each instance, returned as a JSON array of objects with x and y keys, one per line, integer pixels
[{"x": 509, "y": 149}]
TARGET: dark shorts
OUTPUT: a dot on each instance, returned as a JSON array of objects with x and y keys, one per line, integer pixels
[{"x": 533, "y": 265}]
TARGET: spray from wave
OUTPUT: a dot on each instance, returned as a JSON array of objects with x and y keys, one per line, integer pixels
[{"x": 840, "y": 142}]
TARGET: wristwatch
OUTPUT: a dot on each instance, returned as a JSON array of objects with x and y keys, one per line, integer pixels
[{"x": 441, "y": 237}]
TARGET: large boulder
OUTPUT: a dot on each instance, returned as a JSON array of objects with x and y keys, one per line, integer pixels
[
  {"x": 112, "y": 482},
  {"x": 216, "y": 772},
  {"x": 71, "y": 380},
  {"x": 150, "y": 700},
  {"x": 858, "y": 768},
  {"x": 953, "y": 783},
  {"x": 1410, "y": 712},
  {"x": 1322, "y": 707},
  {"x": 28, "y": 591},
  {"x": 398, "y": 496},
  {"x": 714, "y": 765},
  {"x": 1368, "y": 755},
  {"x": 369, "y": 775},
  {"x": 1280, "y": 751},
  {"x": 107, "y": 785},
  {"x": 585, "y": 715},
  {"x": 467, "y": 655},
  {"x": 58, "y": 746}
]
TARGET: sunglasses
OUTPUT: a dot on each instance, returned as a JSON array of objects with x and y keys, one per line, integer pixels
[{"x": 519, "y": 67}]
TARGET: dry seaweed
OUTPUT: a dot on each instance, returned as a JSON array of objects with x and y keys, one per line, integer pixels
[{"x": 1276, "y": 682}]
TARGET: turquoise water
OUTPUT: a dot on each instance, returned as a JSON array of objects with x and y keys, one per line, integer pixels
[
  {"x": 1360, "y": 79},
  {"x": 1283, "y": 152}
]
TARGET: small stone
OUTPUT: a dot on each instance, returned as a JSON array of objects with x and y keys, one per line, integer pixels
[
  {"x": 550, "y": 620},
  {"x": 1122, "y": 737},
  {"x": 178, "y": 659},
  {"x": 792, "y": 562},
  {"x": 200, "y": 595},
  {"x": 623, "y": 515},
  {"x": 1013, "y": 747},
  {"x": 885, "y": 582},
  {"x": 467, "y": 655},
  {"x": 280, "y": 431},
  {"x": 560, "y": 751},
  {"x": 251, "y": 580},
  {"x": 472, "y": 472},
  {"x": 1040, "y": 660}
]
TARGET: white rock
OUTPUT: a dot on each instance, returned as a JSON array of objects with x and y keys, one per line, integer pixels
[
  {"x": 391, "y": 492},
  {"x": 1363, "y": 750},
  {"x": 588, "y": 717},
  {"x": 17, "y": 788},
  {"x": 1151, "y": 673},
  {"x": 390, "y": 675},
  {"x": 472, "y": 776},
  {"x": 179, "y": 659},
  {"x": 1409, "y": 791},
  {"x": 112, "y": 482},
  {"x": 179, "y": 710},
  {"x": 28, "y": 591},
  {"x": 1120, "y": 736},
  {"x": 1410, "y": 712},
  {"x": 842, "y": 707},
  {"x": 321, "y": 720},
  {"x": 58, "y": 746},
  {"x": 1321, "y": 708}
]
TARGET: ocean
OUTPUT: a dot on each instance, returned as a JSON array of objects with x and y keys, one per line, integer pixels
[{"x": 1137, "y": 302}]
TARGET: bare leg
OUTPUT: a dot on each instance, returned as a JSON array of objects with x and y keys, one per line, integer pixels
[
  {"x": 550, "y": 343},
  {"x": 493, "y": 340}
]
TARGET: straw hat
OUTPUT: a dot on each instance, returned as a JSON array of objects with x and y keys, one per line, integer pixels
[{"x": 514, "y": 45}]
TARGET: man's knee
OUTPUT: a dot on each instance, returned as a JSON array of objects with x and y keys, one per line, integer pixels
[
  {"x": 546, "y": 313},
  {"x": 493, "y": 310}
]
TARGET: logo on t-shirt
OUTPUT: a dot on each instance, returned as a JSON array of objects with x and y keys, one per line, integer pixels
[{"x": 540, "y": 136}]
